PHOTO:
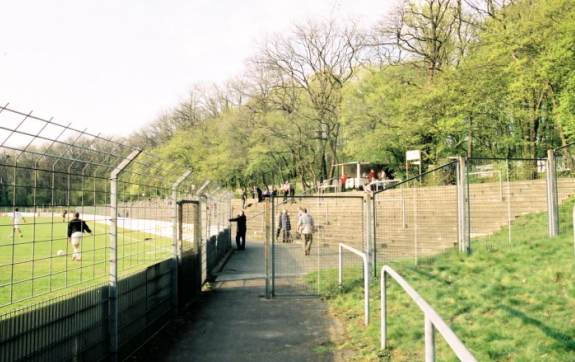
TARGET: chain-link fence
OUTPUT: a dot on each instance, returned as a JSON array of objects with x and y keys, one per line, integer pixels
[
  {"x": 418, "y": 217},
  {"x": 565, "y": 176},
  {"x": 500, "y": 192},
  {"x": 90, "y": 252},
  {"x": 308, "y": 243}
]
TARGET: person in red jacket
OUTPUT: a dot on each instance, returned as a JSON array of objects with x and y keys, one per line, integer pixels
[{"x": 343, "y": 181}]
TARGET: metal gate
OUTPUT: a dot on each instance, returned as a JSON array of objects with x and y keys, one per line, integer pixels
[{"x": 336, "y": 219}]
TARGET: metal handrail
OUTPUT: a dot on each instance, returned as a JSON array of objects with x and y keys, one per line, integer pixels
[
  {"x": 432, "y": 320},
  {"x": 365, "y": 277}
]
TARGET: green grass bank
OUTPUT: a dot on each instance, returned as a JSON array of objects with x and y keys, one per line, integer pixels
[{"x": 506, "y": 302}]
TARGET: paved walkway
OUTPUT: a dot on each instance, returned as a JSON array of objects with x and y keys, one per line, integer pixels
[{"x": 234, "y": 322}]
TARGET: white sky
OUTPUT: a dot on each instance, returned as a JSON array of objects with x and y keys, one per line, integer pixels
[{"x": 114, "y": 65}]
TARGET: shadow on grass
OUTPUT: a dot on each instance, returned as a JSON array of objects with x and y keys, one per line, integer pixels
[
  {"x": 565, "y": 340},
  {"x": 430, "y": 276}
]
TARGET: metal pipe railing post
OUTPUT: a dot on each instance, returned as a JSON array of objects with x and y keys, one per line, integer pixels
[
  {"x": 267, "y": 242},
  {"x": 364, "y": 258},
  {"x": 113, "y": 302},
  {"x": 433, "y": 321},
  {"x": 177, "y": 246},
  {"x": 383, "y": 309},
  {"x": 429, "y": 341}
]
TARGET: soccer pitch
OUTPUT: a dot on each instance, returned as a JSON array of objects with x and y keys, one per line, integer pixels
[{"x": 40, "y": 262}]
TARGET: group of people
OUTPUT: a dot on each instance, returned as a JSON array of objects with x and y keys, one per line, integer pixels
[
  {"x": 305, "y": 227},
  {"x": 76, "y": 229},
  {"x": 371, "y": 177},
  {"x": 286, "y": 189}
]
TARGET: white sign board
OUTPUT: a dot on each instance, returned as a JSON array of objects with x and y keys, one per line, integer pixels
[{"x": 414, "y": 155}]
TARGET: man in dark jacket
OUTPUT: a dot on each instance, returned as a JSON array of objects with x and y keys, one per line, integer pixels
[
  {"x": 241, "y": 230},
  {"x": 76, "y": 229}
]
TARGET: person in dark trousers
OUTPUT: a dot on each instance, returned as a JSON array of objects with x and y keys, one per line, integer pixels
[
  {"x": 284, "y": 227},
  {"x": 260, "y": 194},
  {"x": 244, "y": 198},
  {"x": 76, "y": 229},
  {"x": 241, "y": 230}
]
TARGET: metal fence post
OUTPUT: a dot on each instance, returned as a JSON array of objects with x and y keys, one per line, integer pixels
[
  {"x": 374, "y": 235},
  {"x": 176, "y": 241},
  {"x": 113, "y": 273},
  {"x": 463, "y": 221},
  {"x": 429, "y": 341},
  {"x": 370, "y": 235},
  {"x": 552, "y": 200},
  {"x": 267, "y": 241}
]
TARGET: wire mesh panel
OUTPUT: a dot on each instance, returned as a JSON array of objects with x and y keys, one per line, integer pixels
[
  {"x": 68, "y": 226},
  {"x": 302, "y": 253},
  {"x": 565, "y": 173},
  {"x": 49, "y": 173},
  {"x": 418, "y": 217},
  {"x": 501, "y": 192}
]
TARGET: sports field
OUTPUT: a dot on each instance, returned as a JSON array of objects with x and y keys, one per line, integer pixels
[{"x": 40, "y": 262}]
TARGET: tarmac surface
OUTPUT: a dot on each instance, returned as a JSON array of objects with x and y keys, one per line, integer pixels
[{"x": 235, "y": 322}]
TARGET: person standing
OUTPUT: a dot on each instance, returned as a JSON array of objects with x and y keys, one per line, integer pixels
[
  {"x": 241, "y": 230},
  {"x": 286, "y": 190},
  {"x": 260, "y": 194},
  {"x": 343, "y": 181},
  {"x": 244, "y": 198},
  {"x": 76, "y": 229},
  {"x": 17, "y": 219},
  {"x": 305, "y": 224},
  {"x": 284, "y": 226}
]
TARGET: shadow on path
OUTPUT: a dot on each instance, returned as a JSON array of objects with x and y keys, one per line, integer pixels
[{"x": 233, "y": 322}]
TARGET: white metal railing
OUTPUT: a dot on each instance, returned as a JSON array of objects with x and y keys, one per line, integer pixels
[
  {"x": 365, "y": 276},
  {"x": 432, "y": 320}
]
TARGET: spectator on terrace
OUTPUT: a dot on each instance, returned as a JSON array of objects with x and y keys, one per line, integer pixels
[{"x": 343, "y": 181}]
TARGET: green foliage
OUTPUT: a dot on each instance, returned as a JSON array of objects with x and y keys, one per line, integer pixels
[{"x": 505, "y": 88}]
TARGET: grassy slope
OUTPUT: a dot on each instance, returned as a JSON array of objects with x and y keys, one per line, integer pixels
[
  {"x": 505, "y": 302},
  {"x": 48, "y": 271}
]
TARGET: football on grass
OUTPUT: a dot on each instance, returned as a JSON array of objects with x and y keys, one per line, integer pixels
[{"x": 60, "y": 252}]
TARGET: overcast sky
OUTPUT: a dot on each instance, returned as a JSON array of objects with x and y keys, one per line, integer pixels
[{"x": 114, "y": 65}]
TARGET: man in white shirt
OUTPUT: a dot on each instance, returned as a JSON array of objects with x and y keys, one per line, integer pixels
[
  {"x": 305, "y": 225},
  {"x": 17, "y": 219}
]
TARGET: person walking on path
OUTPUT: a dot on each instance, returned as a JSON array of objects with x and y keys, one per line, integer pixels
[
  {"x": 305, "y": 224},
  {"x": 76, "y": 229},
  {"x": 241, "y": 230},
  {"x": 284, "y": 227},
  {"x": 17, "y": 219}
]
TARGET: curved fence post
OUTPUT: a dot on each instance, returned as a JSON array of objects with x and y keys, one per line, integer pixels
[
  {"x": 113, "y": 274},
  {"x": 175, "y": 240}
]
